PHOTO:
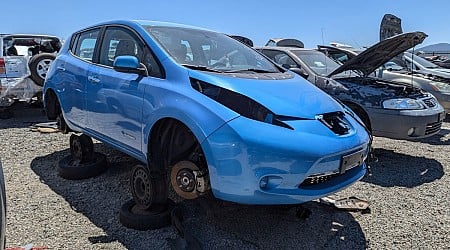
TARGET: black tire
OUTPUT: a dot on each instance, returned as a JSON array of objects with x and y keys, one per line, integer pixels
[
  {"x": 147, "y": 190},
  {"x": 159, "y": 216},
  {"x": 62, "y": 125},
  {"x": 52, "y": 107},
  {"x": 71, "y": 169},
  {"x": 81, "y": 148},
  {"x": 39, "y": 65}
]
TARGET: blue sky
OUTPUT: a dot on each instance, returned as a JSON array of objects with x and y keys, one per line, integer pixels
[{"x": 351, "y": 22}]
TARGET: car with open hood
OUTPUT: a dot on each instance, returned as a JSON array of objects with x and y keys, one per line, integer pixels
[
  {"x": 389, "y": 109},
  {"x": 397, "y": 70},
  {"x": 204, "y": 112}
]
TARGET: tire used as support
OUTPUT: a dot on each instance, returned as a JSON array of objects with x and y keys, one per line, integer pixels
[
  {"x": 72, "y": 169},
  {"x": 158, "y": 216}
]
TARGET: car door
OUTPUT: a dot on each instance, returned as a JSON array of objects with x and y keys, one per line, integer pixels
[
  {"x": 115, "y": 98},
  {"x": 72, "y": 70}
]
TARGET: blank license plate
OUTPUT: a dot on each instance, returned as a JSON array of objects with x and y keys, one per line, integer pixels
[{"x": 351, "y": 161}]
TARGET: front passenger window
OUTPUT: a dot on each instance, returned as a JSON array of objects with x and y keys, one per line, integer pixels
[{"x": 119, "y": 41}]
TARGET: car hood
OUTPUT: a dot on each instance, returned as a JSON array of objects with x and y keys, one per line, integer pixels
[
  {"x": 292, "y": 96},
  {"x": 370, "y": 59}
]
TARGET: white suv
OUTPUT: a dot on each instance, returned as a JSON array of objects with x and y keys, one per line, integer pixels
[{"x": 24, "y": 62}]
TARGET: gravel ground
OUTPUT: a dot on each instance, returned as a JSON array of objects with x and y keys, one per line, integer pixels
[{"x": 408, "y": 191}]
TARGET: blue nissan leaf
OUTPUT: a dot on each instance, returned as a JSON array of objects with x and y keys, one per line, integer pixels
[{"x": 203, "y": 113}]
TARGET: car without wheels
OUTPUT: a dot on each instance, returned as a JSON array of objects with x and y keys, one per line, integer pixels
[
  {"x": 204, "y": 113},
  {"x": 390, "y": 109}
]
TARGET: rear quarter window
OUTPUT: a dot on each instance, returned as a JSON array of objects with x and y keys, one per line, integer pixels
[{"x": 85, "y": 44}]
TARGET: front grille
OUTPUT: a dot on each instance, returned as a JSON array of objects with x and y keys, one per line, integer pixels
[
  {"x": 430, "y": 102},
  {"x": 314, "y": 180},
  {"x": 433, "y": 128}
]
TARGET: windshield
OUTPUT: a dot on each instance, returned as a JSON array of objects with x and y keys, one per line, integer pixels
[
  {"x": 421, "y": 61},
  {"x": 206, "y": 50},
  {"x": 317, "y": 61}
]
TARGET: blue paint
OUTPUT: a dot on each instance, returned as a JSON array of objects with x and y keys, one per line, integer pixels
[{"x": 258, "y": 160}]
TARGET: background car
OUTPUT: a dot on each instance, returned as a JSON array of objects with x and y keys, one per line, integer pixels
[
  {"x": 444, "y": 63},
  {"x": 412, "y": 113},
  {"x": 421, "y": 65},
  {"x": 207, "y": 112},
  {"x": 24, "y": 62},
  {"x": 397, "y": 71}
]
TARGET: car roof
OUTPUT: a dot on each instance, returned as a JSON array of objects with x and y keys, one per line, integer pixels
[
  {"x": 28, "y": 36},
  {"x": 147, "y": 23},
  {"x": 283, "y": 48}
]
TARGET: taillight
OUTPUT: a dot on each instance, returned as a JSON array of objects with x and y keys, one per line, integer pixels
[{"x": 2, "y": 66}]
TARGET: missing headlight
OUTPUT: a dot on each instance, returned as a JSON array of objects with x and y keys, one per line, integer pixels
[{"x": 239, "y": 103}]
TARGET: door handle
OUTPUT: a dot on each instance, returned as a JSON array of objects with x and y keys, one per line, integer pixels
[
  {"x": 61, "y": 68},
  {"x": 93, "y": 79}
]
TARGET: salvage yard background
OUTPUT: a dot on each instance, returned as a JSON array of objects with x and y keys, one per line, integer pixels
[{"x": 408, "y": 191}]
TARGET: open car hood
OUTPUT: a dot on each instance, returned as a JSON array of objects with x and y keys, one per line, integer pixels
[{"x": 370, "y": 59}]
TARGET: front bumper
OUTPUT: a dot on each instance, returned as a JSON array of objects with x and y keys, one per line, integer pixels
[
  {"x": 444, "y": 100},
  {"x": 406, "y": 124},
  {"x": 260, "y": 163}
]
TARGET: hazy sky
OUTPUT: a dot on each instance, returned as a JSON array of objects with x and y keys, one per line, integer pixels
[{"x": 351, "y": 22}]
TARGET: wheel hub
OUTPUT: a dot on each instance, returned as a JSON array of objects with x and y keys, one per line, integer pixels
[
  {"x": 187, "y": 180},
  {"x": 42, "y": 67}
]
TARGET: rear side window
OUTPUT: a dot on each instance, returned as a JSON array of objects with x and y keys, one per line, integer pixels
[{"x": 85, "y": 44}]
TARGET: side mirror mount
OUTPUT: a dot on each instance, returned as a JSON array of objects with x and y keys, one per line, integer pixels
[
  {"x": 129, "y": 64},
  {"x": 300, "y": 71}
]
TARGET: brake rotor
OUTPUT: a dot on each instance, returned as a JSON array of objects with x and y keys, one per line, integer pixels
[{"x": 183, "y": 179}]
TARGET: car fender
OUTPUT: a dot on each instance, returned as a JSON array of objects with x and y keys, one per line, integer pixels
[{"x": 202, "y": 119}]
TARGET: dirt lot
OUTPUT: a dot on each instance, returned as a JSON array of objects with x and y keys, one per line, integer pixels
[{"x": 408, "y": 191}]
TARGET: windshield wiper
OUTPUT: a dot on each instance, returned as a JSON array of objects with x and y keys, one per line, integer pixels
[
  {"x": 201, "y": 68},
  {"x": 251, "y": 70}
]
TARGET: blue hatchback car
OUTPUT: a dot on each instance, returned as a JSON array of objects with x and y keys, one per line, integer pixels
[{"x": 204, "y": 113}]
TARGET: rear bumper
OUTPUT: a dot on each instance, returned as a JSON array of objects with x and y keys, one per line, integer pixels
[{"x": 13, "y": 89}]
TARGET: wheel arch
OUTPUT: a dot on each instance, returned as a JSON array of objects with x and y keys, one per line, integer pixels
[
  {"x": 166, "y": 123},
  {"x": 51, "y": 104}
]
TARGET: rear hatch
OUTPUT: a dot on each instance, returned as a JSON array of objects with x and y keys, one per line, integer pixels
[{"x": 13, "y": 66}]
